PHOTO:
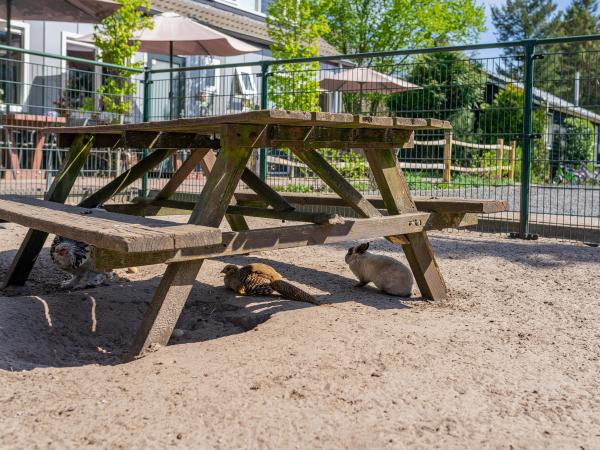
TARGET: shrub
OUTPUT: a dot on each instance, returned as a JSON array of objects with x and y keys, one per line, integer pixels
[{"x": 578, "y": 144}]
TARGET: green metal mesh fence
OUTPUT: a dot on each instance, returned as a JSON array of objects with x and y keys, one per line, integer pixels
[{"x": 485, "y": 98}]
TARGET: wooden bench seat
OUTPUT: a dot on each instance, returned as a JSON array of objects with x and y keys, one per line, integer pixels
[
  {"x": 111, "y": 231},
  {"x": 183, "y": 203},
  {"x": 429, "y": 204}
]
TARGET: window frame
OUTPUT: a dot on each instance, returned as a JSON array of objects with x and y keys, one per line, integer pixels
[
  {"x": 239, "y": 73},
  {"x": 24, "y": 29},
  {"x": 68, "y": 37}
]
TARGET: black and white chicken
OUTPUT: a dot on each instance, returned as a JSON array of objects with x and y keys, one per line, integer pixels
[{"x": 74, "y": 257}]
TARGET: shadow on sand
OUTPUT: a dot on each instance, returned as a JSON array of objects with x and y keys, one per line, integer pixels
[{"x": 41, "y": 326}]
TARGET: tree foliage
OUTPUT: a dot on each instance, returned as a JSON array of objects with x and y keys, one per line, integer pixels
[
  {"x": 295, "y": 27},
  {"x": 578, "y": 145},
  {"x": 452, "y": 86},
  {"x": 358, "y": 26},
  {"x": 524, "y": 19},
  {"x": 580, "y": 18},
  {"x": 112, "y": 38},
  {"x": 503, "y": 117}
]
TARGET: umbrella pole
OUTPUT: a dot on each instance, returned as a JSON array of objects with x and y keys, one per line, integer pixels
[
  {"x": 360, "y": 99},
  {"x": 8, "y": 56},
  {"x": 171, "y": 79}
]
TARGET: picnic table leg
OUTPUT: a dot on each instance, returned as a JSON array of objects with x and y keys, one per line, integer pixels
[
  {"x": 397, "y": 198},
  {"x": 237, "y": 223},
  {"x": 195, "y": 158},
  {"x": 58, "y": 192},
  {"x": 127, "y": 178},
  {"x": 176, "y": 284},
  {"x": 38, "y": 152}
]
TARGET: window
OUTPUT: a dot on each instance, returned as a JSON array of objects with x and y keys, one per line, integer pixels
[
  {"x": 244, "y": 91},
  {"x": 12, "y": 65},
  {"x": 202, "y": 87},
  {"x": 264, "y": 5},
  {"x": 81, "y": 77},
  {"x": 245, "y": 81}
]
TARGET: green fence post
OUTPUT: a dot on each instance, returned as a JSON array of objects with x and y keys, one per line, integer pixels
[
  {"x": 527, "y": 141},
  {"x": 146, "y": 118},
  {"x": 264, "y": 104}
]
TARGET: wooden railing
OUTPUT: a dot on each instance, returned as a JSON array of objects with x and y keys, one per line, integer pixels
[{"x": 448, "y": 143}]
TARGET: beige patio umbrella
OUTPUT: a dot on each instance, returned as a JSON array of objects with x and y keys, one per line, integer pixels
[
  {"x": 362, "y": 79},
  {"x": 174, "y": 34}
]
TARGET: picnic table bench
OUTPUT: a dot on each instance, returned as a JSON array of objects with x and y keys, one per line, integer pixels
[{"x": 121, "y": 237}]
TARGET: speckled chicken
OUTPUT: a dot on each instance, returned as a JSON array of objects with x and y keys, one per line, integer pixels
[
  {"x": 74, "y": 257},
  {"x": 261, "y": 279}
]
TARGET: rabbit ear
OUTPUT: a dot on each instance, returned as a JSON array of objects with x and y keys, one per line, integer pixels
[{"x": 362, "y": 248}]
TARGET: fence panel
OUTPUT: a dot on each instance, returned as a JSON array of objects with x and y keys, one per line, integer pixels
[
  {"x": 484, "y": 97},
  {"x": 39, "y": 91}
]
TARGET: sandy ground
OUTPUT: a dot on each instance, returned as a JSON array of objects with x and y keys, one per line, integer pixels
[{"x": 510, "y": 360}]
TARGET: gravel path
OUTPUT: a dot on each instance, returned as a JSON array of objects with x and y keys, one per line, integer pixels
[{"x": 555, "y": 200}]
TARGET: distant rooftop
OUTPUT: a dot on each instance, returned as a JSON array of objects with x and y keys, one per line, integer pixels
[{"x": 553, "y": 102}]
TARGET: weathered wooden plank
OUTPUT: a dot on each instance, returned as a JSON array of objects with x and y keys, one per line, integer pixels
[
  {"x": 264, "y": 117},
  {"x": 237, "y": 223},
  {"x": 337, "y": 182},
  {"x": 242, "y": 242},
  {"x": 127, "y": 178},
  {"x": 100, "y": 140},
  {"x": 104, "y": 229},
  {"x": 398, "y": 200},
  {"x": 432, "y": 204},
  {"x": 185, "y": 201},
  {"x": 176, "y": 284},
  {"x": 437, "y": 220},
  {"x": 339, "y": 138},
  {"x": 58, "y": 192},
  {"x": 266, "y": 192},
  {"x": 296, "y": 216},
  {"x": 179, "y": 177},
  {"x": 145, "y": 139}
]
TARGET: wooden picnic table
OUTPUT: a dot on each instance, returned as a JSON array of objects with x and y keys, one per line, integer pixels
[
  {"x": 121, "y": 241},
  {"x": 14, "y": 123}
]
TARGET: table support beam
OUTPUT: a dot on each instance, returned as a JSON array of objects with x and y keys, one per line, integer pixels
[
  {"x": 127, "y": 178},
  {"x": 179, "y": 177},
  {"x": 175, "y": 286},
  {"x": 398, "y": 200}
]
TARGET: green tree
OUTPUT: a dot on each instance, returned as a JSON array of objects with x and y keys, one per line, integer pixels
[
  {"x": 580, "y": 18},
  {"x": 358, "y": 26},
  {"x": 578, "y": 144},
  {"x": 295, "y": 27},
  {"x": 112, "y": 38},
  {"x": 524, "y": 19},
  {"x": 503, "y": 118},
  {"x": 452, "y": 87}
]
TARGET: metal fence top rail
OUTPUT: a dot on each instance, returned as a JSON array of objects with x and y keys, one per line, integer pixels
[
  {"x": 69, "y": 58},
  {"x": 404, "y": 52},
  {"x": 266, "y": 63}
]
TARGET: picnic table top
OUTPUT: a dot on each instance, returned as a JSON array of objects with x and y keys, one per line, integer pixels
[{"x": 265, "y": 117}]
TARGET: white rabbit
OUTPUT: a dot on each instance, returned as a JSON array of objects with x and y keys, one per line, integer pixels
[{"x": 388, "y": 274}]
